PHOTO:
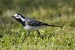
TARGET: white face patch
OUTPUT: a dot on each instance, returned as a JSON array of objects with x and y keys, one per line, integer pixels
[{"x": 17, "y": 16}]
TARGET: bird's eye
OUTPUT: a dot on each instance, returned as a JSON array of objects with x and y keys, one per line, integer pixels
[{"x": 18, "y": 16}]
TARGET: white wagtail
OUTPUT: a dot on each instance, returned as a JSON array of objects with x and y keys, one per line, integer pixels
[{"x": 31, "y": 24}]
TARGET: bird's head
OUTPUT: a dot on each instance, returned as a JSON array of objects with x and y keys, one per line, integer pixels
[{"x": 19, "y": 17}]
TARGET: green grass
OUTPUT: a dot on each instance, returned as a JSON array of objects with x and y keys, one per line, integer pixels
[
  {"x": 12, "y": 34},
  {"x": 57, "y": 12}
]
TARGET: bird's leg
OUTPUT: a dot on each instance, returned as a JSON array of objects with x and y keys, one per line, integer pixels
[
  {"x": 26, "y": 36},
  {"x": 28, "y": 33},
  {"x": 38, "y": 32},
  {"x": 41, "y": 36}
]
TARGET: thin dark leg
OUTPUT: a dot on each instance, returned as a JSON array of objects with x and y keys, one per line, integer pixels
[
  {"x": 28, "y": 33},
  {"x": 26, "y": 36},
  {"x": 38, "y": 32},
  {"x": 41, "y": 36}
]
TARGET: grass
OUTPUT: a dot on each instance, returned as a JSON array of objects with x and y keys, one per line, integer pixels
[
  {"x": 53, "y": 38},
  {"x": 12, "y": 34}
]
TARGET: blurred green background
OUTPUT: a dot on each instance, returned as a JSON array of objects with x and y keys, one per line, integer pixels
[{"x": 58, "y": 12}]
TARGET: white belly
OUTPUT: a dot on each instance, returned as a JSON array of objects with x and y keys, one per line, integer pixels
[{"x": 31, "y": 28}]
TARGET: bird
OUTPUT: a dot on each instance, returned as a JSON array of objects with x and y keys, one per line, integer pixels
[{"x": 31, "y": 24}]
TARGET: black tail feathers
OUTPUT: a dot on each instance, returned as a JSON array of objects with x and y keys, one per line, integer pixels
[{"x": 53, "y": 25}]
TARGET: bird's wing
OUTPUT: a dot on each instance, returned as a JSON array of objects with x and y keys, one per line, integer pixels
[{"x": 32, "y": 22}]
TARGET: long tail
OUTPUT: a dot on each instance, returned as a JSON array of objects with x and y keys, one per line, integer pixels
[{"x": 53, "y": 25}]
